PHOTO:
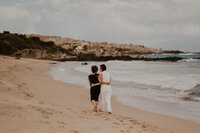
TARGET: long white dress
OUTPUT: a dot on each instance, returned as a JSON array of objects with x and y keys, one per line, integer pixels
[{"x": 106, "y": 93}]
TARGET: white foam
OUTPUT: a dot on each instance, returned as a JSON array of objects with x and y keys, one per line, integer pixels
[
  {"x": 190, "y": 60},
  {"x": 165, "y": 75}
]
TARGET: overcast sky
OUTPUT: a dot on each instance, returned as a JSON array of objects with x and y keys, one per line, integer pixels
[{"x": 167, "y": 24}]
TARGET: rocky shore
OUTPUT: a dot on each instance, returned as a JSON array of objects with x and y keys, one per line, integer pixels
[
  {"x": 172, "y": 59},
  {"x": 67, "y": 49},
  {"x": 99, "y": 49},
  {"x": 92, "y": 57}
]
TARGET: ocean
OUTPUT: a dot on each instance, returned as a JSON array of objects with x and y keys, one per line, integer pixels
[
  {"x": 171, "y": 88},
  {"x": 184, "y": 56}
]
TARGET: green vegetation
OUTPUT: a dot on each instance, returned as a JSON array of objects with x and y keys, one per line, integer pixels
[{"x": 11, "y": 43}]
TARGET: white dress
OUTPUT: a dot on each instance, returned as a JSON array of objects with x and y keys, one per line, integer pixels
[{"x": 106, "y": 93}]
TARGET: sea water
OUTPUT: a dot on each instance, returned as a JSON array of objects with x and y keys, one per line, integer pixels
[
  {"x": 184, "y": 56},
  {"x": 171, "y": 88}
]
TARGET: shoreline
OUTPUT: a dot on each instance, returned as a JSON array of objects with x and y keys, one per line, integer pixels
[
  {"x": 31, "y": 101},
  {"x": 151, "y": 98}
]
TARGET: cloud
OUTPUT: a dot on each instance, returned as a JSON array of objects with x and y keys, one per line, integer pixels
[
  {"x": 18, "y": 19},
  {"x": 171, "y": 24},
  {"x": 11, "y": 13}
]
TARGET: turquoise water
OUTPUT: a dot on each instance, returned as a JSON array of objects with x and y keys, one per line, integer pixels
[{"x": 185, "y": 56}]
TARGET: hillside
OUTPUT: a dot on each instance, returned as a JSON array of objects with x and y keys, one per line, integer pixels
[
  {"x": 67, "y": 49},
  {"x": 97, "y": 48},
  {"x": 30, "y": 47}
]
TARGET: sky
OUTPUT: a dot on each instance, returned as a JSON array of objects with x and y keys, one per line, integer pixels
[{"x": 166, "y": 24}]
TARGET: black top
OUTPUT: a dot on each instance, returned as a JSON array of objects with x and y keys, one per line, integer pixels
[
  {"x": 95, "y": 90},
  {"x": 93, "y": 78}
]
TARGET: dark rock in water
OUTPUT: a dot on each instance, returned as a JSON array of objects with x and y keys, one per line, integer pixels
[
  {"x": 53, "y": 63},
  {"x": 93, "y": 57},
  {"x": 173, "y": 59},
  {"x": 173, "y": 51},
  {"x": 189, "y": 98},
  {"x": 192, "y": 93},
  {"x": 84, "y": 63},
  {"x": 195, "y": 91}
]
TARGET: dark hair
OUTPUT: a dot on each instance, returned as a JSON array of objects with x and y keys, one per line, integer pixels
[
  {"x": 94, "y": 69},
  {"x": 103, "y": 67}
]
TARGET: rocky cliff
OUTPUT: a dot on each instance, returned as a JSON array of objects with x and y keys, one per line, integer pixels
[
  {"x": 77, "y": 47},
  {"x": 67, "y": 49},
  {"x": 29, "y": 47}
]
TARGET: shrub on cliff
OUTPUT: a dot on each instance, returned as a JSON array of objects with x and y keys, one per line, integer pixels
[{"x": 12, "y": 43}]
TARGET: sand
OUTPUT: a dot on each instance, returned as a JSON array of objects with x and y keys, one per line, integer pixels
[{"x": 33, "y": 102}]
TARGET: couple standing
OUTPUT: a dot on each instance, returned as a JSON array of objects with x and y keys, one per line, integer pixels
[{"x": 100, "y": 88}]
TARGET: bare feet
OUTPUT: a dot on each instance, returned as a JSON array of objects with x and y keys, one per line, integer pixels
[
  {"x": 95, "y": 109},
  {"x": 100, "y": 110}
]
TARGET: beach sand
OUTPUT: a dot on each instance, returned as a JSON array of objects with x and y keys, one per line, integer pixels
[{"x": 31, "y": 101}]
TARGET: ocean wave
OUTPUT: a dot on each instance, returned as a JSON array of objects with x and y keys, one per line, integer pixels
[
  {"x": 193, "y": 94},
  {"x": 195, "y": 91},
  {"x": 179, "y": 76},
  {"x": 189, "y": 60}
]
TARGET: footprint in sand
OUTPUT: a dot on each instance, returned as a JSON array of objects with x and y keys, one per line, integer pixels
[
  {"x": 29, "y": 68},
  {"x": 106, "y": 118},
  {"x": 98, "y": 114},
  {"x": 41, "y": 102},
  {"x": 74, "y": 131},
  {"x": 60, "y": 122},
  {"x": 83, "y": 112},
  {"x": 130, "y": 127},
  {"x": 59, "y": 112},
  {"x": 47, "y": 122},
  {"x": 144, "y": 126},
  {"x": 116, "y": 123},
  {"x": 46, "y": 117},
  {"x": 133, "y": 122},
  {"x": 22, "y": 85},
  {"x": 61, "y": 126},
  {"x": 96, "y": 128},
  {"x": 123, "y": 131},
  {"x": 28, "y": 95},
  {"x": 45, "y": 113}
]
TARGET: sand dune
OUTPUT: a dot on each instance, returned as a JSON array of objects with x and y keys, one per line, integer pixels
[{"x": 31, "y": 101}]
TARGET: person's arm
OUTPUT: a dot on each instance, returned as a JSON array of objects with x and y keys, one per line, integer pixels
[
  {"x": 89, "y": 82},
  {"x": 95, "y": 84},
  {"x": 101, "y": 80},
  {"x": 91, "y": 85}
]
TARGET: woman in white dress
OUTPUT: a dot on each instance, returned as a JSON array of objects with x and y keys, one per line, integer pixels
[{"x": 106, "y": 90}]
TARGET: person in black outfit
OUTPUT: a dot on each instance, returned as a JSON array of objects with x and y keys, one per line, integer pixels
[{"x": 94, "y": 90}]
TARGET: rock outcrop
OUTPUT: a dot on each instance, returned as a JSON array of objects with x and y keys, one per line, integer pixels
[
  {"x": 32, "y": 47},
  {"x": 67, "y": 49},
  {"x": 77, "y": 47}
]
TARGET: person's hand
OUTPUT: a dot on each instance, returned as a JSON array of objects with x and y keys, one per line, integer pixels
[
  {"x": 108, "y": 83},
  {"x": 92, "y": 85}
]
